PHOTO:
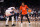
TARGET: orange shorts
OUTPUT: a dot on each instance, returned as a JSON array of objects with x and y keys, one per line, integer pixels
[{"x": 24, "y": 13}]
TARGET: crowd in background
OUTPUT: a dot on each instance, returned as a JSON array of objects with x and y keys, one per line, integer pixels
[{"x": 35, "y": 12}]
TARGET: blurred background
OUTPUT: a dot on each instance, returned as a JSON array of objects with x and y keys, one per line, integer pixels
[{"x": 34, "y": 5}]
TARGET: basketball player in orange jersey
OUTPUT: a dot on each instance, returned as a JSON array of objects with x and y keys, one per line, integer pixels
[{"x": 24, "y": 8}]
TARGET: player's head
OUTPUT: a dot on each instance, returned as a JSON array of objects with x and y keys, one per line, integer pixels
[
  {"x": 23, "y": 4},
  {"x": 12, "y": 8}
]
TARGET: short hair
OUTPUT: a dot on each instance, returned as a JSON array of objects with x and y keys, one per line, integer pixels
[{"x": 22, "y": 2}]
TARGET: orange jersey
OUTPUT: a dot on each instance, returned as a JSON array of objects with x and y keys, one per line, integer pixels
[{"x": 24, "y": 9}]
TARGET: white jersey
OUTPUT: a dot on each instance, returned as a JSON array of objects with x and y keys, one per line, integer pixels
[
  {"x": 7, "y": 12},
  {"x": 10, "y": 9}
]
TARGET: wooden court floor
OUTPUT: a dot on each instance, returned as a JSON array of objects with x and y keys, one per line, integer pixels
[{"x": 24, "y": 24}]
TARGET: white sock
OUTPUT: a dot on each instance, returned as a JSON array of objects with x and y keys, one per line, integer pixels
[
  {"x": 12, "y": 20},
  {"x": 7, "y": 21},
  {"x": 21, "y": 25}
]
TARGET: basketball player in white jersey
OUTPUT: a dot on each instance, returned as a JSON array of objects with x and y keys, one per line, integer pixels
[{"x": 10, "y": 12}]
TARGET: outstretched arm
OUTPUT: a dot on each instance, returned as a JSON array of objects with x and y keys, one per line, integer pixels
[
  {"x": 27, "y": 7},
  {"x": 15, "y": 10}
]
